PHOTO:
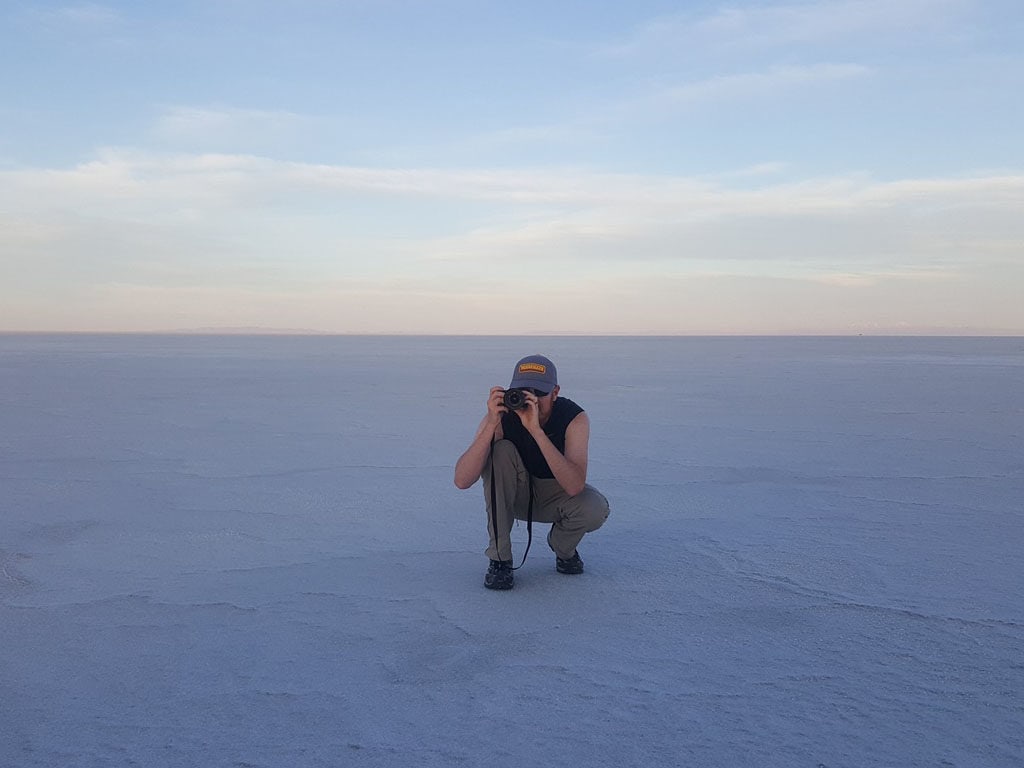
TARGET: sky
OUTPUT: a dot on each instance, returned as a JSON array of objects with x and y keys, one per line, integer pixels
[{"x": 457, "y": 167}]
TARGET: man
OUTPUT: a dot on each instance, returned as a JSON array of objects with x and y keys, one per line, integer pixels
[{"x": 532, "y": 457}]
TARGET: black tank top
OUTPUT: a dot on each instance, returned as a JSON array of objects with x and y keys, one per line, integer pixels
[{"x": 562, "y": 413}]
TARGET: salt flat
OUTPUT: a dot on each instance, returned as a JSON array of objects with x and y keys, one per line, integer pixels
[{"x": 248, "y": 551}]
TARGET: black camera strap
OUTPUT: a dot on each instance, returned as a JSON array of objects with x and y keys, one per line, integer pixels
[{"x": 494, "y": 516}]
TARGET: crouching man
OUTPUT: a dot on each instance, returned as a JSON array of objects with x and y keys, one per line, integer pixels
[{"x": 531, "y": 451}]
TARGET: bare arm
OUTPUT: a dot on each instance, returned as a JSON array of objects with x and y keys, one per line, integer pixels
[
  {"x": 570, "y": 468},
  {"x": 471, "y": 464}
]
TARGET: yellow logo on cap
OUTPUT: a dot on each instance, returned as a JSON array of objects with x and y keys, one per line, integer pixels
[{"x": 533, "y": 368}]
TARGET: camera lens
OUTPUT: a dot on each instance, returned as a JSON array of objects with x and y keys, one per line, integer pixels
[{"x": 514, "y": 399}]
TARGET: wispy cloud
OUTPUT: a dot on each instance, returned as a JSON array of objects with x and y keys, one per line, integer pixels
[
  {"x": 760, "y": 84},
  {"x": 127, "y": 177},
  {"x": 758, "y": 28},
  {"x": 207, "y": 126},
  {"x": 80, "y": 22},
  {"x": 759, "y": 169},
  {"x": 877, "y": 277},
  {"x": 87, "y": 15},
  {"x": 528, "y": 185},
  {"x": 221, "y": 220}
]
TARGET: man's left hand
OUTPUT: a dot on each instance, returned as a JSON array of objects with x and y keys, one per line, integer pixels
[{"x": 530, "y": 415}]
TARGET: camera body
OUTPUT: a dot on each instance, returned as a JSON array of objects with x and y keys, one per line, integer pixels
[{"x": 514, "y": 399}]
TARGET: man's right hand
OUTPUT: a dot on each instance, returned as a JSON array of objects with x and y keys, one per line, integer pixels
[
  {"x": 496, "y": 405},
  {"x": 471, "y": 464}
]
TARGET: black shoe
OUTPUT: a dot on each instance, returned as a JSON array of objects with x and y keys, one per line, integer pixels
[
  {"x": 499, "y": 575},
  {"x": 571, "y": 566}
]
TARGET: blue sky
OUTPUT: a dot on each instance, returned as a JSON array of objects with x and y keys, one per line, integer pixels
[{"x": 847, "y": 166}]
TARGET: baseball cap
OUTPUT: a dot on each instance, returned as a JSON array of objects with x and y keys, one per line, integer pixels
[{"x": 534, "y": 372}]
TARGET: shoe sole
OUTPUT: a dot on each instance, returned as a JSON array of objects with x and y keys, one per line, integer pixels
[{"x": 499, "y": 587}]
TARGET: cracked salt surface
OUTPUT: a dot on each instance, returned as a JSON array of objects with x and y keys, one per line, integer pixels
[{"x": 248, "y": 552}]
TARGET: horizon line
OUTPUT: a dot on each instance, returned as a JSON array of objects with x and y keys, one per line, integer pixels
[{"x": 295, "y": 333}]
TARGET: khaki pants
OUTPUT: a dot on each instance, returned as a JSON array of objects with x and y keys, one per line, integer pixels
[{"x": 570, "y": 516}]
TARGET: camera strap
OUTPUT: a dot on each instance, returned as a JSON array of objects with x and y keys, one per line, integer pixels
[{"x": 494, "y": 515}]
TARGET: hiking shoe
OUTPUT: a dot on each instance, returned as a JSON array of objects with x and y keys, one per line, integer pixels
[
  {"x": 499, "y": 575},
  {"x": 571, "y": 566}
]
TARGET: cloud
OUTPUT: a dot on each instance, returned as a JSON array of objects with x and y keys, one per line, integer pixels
[
  {"x": 88, "y": 16},
  {"x": 216, "y": 231},
  {"x": 760, "y": 169},
  {"x": 748, "y": 84},
  {"x": 872, "y": 279},
  {"x": 825, "y": 21},
  {"x": 211, "y": 127},
  {"x": 755, "y": 28},
  {"x": 83, "y": 24},
  {"x": 234, "y": 179}
]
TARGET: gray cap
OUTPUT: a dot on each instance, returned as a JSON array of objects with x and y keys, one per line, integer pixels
[{"x": 534, "y": 372}]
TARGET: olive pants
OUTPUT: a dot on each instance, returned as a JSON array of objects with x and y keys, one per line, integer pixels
[{"x": 571, "y": 516}]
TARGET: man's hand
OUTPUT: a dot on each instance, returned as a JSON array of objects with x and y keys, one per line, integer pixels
[
  {"x": 471, "y": 464},
  {"x": 530, "y": 415},
  {"x": 569, "y": 467},
  {"x": 496, "y": 405}
]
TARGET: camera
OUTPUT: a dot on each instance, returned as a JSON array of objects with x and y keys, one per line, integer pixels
[{"x": 515, "y": 399}]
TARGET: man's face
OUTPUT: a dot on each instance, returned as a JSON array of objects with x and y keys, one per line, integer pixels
[{"x": 545, "y": 403}]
